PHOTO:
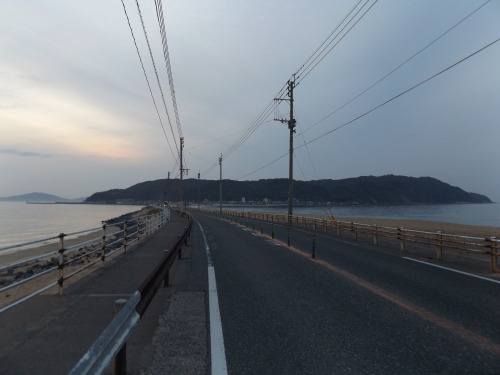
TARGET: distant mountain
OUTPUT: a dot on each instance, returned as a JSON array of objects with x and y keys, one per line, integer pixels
[
  {"x": 387, "y": 189},
  {"x": 40, "y": 198}
]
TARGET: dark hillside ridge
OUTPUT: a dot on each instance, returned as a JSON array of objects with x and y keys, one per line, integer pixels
[{"x": 387, "y": 189}]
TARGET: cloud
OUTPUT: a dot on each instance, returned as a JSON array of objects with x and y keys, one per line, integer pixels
[{"x": 10, "y": 151}]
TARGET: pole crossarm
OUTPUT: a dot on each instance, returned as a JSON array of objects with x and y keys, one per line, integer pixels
[{"x": 291, "y": 126}]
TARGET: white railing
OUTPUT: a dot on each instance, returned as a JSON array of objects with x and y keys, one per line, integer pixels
[
  {"x": 54, "y": 267},
  {"x": 436, "y": 240}
]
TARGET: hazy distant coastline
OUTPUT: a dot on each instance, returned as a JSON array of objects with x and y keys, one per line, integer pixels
[{"x": 37, "y": 197}]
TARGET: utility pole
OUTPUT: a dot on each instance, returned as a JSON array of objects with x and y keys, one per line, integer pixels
[
  {"x": 167, "y": 194},
  {"x": 291, "y": 127},
  {"x": 220, "y": 184},
  {"x": 199, "y": 189},
  {"x": 181, "y": 187},
  {"x": 182, "y": 169}
]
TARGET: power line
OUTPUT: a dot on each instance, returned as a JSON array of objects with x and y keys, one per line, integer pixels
[
  {"x": 147, "y": 80},
  {"x": 332, "y": 47},
  {"x": 400, "y": 94},
  {"x": 297, "y": 73},
  {"x": 306, "y": 67},
  {"x": 396, "y": 68},
  {"x": 322, "y": 54},
  {"x": 156, "y": 72},
  {"x": 161, "y": 22},
  {"x": 375, "y": 108}
]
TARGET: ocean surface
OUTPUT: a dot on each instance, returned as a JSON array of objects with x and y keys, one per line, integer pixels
[
  {"x": 22, "y": 222},
  {"x": 487, "y": 214}
]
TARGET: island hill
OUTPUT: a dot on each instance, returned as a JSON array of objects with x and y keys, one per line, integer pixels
[{"x": 366, "y": 190}]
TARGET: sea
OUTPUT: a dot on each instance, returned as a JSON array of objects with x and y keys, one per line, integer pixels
[
  {"x": 484, "y": 214},
  {"x": 22, "y": 222}
]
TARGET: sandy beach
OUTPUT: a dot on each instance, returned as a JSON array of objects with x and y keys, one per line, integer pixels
[
  {"x": 22, "y": 290},
  {"x": 13, "y": 255},
  {"x": 431, "y": 226}
]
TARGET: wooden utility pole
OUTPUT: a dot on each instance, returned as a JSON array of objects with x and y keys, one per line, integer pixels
[
  {"x": 220, "y": 184},
  {"x": 167, "y": 194},
  {"x": 182, "y": 169},
  {"x": 291, "y": 127},
  {"x": 181, "y": 182},
  {"x": 199, "y": 189}
]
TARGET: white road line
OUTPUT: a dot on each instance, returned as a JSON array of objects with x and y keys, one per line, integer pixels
[
  {"x": 217, "y": 351},
  {"x": 451, "y": 269}
]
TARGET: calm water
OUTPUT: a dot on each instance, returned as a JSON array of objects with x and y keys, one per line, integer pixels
[
  {"x": 470, "y": 214},
  {"x": 20, "y": 222}
]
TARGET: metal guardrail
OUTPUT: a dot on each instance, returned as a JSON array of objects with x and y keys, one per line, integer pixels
[
  {"x": 69, "y": 261},
  {"x": 437, "y": 240},
  {"x": 111, "y": 344}
]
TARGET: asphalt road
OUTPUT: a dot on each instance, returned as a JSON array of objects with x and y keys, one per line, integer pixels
[{"x": 354, "y": 309}]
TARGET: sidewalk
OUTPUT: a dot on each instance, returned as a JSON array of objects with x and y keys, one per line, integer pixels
[{"x": 49, "y": 333}]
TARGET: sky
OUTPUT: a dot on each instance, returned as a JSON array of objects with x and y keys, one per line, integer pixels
[{"x": 77, "y": 116}]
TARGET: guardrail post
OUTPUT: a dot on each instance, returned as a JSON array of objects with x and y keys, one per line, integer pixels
[
  {"x": 166, "y": 280},
  {"x": 120, "y": 361},
  {"x": 261, "y": 228},
  {"x": 125, "y": 236},
  {"x": 494, "y": 254},
  {"x": 288, "y": 237},
  {"x": 325, "y": 227},
  {"x": 313, "y": 251},
  {"x": 439, "y": 254},
  {"x": 138, "y": 228},
  {"x": 272, "y": 232},
  {"x": 375, "y": 234},
  {"x": 314, "y": 225},
  {"x": 179, "y": 254},
  {"x": 401, "y": 238},
  {"x": 60, "y": 281},
  {"x": 338, "y": 229},
  {"x": 103, "y": 245},
  {"x": 354, "y": 231}
]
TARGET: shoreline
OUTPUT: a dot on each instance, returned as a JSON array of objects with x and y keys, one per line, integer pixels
[{"x": 13, "y": 255}]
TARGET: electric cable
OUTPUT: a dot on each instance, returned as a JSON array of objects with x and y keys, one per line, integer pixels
[
  {"x": 401, "y": 93},
  {"x": 161, "y": 23},
  {"x": 156, "y": 73},
  {"x": 326, "y": 40},
  {"x": 396, "y": 68},
  {"x": 376, "y": 107},
  {"x": 147, "y": 80},
  {"x": 332, "y": 47}
]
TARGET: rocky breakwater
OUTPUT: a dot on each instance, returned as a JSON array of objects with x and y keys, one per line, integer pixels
[{"x": 26, "y": 275}]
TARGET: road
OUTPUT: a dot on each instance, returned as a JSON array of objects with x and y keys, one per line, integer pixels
[{"x": 355, "y": 308}]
